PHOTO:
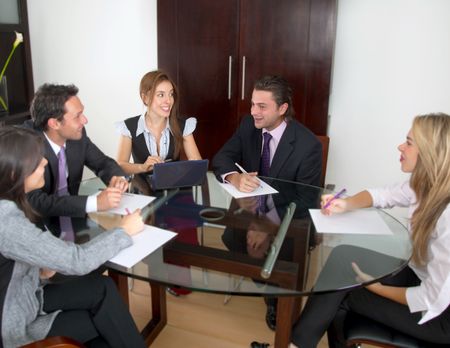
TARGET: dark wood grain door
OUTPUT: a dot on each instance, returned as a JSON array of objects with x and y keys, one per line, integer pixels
[
  {"x": 197, "y": 45},
  {"x": 294, "y": 39},
  {"x": 203, "y": 45}
]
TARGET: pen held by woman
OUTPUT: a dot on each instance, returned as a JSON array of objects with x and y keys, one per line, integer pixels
[{"x": 327, "y": 202}]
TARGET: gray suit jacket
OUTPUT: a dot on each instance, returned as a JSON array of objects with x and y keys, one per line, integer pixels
[
  {"x": 79, "y": 153},
  {"x": 298, "y": 156},
  {"x": 24, "y": 249}
]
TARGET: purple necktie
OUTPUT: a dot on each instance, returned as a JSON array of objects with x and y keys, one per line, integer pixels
[
  {"x": 265, "y": 156},
  {"x": 264, "y": 170},
  {"x": 64, "y": 221}
]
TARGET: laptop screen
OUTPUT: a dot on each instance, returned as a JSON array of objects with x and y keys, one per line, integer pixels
[{"x": 178, "y": 174}]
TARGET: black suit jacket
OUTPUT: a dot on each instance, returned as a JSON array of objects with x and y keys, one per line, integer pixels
[
  {"x": 298, "y": 156},
  {"x": 79, "y": 153}
]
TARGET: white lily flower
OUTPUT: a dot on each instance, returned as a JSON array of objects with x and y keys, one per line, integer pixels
[{"x": 19, "y": 39}]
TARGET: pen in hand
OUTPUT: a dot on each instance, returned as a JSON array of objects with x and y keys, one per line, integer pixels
[
  {"x": 336, "y": 196},
  {"x": 240, "y": 168},
  {"x": 244, "y": 171}
]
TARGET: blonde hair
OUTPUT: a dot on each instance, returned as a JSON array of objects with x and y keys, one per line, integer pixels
[
  {"x": 430, "y": 179},
  {"x": 147, "y": 87}
]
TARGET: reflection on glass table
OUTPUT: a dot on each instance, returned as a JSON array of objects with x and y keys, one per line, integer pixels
[{"x": 223, "y": 244}]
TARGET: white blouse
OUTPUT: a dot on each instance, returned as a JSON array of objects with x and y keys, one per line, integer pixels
[
  {"x": 150, "y": 140},
  {"x": 432, "y": 296}
]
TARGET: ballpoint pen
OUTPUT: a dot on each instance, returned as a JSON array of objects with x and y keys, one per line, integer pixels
[
  {"x": 240, "y": 168},
  {"x": 244, "y": 171},
  {"x": 336, "y": 196}
]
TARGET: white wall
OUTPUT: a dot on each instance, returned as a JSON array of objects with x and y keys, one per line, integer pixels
[
  {"x": 391, "y": 63},
  {"x": 104, "y": 47}
]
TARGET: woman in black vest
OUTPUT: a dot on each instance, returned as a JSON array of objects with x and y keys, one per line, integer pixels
[{"x": 158, "y": 135}]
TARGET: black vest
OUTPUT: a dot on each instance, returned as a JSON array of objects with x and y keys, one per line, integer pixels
[{"x": 139, "y": 149}]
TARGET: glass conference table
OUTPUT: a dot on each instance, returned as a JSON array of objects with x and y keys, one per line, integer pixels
[{"x": 259, "y": 246}]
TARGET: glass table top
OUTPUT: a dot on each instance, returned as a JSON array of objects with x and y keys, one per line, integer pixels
[{"x": 224, "y": 245}]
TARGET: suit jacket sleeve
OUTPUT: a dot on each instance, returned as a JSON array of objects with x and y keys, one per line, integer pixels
[
  {"x": 79, "y": 153},
  {"x": 232, "y": 151}
]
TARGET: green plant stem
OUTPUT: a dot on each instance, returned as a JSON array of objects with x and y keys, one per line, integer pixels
[
  {"x": 7, "y": 62},
  {"x": 2, "y": 102}
]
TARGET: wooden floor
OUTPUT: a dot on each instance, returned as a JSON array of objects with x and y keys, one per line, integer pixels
[{"x": 202, "y": 320}]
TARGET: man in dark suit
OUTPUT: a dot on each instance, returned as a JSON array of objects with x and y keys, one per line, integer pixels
[
  {"x": 295, "y": 152},
  {"x": 57, "y": 112}
]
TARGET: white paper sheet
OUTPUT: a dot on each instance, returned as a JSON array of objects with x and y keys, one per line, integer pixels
[
  {"x": 361, "y": 221},
  {"x": 144, "y": 243},
  {"x": 264, "y": 189},
  {"x": 131, "y": 202}
]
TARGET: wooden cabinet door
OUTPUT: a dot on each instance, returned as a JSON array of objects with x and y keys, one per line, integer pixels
[
  {"x": 203, "y": 44},
  {"x": 197, "y": 46},
  {"x": 294, "y": 39}
]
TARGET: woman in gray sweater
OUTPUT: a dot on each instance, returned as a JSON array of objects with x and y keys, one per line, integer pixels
[{"x": 86, "y": 308}]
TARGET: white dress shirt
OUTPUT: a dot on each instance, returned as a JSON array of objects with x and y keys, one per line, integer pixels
[
  {"x": 189, "y": 128},
  {"x": 432, "y": 296}
]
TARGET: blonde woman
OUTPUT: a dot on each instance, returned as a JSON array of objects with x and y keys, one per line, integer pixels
[
  {"x": 159, "y": 134},
  {"x": 416, "y": 301}
]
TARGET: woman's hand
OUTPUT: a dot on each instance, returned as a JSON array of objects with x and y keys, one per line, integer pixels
[
  {"x": 150, "y": 162},
  {"x": 361, "y": 277},
  {"x": 337, "y": 205},
  {"x": 132, "y": 223},
  {"x": 45, "y": 273}
]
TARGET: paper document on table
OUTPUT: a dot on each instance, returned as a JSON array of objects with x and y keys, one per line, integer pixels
[
  {"x": 144, "y": 243},
  {"x": 361, "y": 221},
  {"x": 131, "y": 202},
  {"x": 263, "y": 189}
]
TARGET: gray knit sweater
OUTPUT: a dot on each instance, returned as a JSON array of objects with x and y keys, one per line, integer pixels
[{"x": 26, "y": 249}]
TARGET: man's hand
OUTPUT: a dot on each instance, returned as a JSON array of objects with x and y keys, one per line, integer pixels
[
  {"x": 109, "y": 198},
  {"x": 119, "y": 182},
  {"x": 244, "y": 182}
]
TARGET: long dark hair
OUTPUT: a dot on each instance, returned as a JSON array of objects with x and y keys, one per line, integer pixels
[
  {"x": 147, "y": 87},
  {"x": 21, "y": 151}
]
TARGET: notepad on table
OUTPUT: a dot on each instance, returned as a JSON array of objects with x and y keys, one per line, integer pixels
[
  {"x": 361, "y": 221},
  {"x": 131, "y": 202},
  {"x": 144, "y": 243},
  {"x": 263, "y": 189}
]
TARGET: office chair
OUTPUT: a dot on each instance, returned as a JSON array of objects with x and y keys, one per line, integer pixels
[
  {"x": 325, "y": 140},
  {"x": 360, "y": 330},
  {"x": 54, "y": 342}
]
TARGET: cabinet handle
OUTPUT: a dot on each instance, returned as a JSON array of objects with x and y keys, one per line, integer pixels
[
  {"x": 243, "y": 78},
  {"x": 230, "y": 62}
]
